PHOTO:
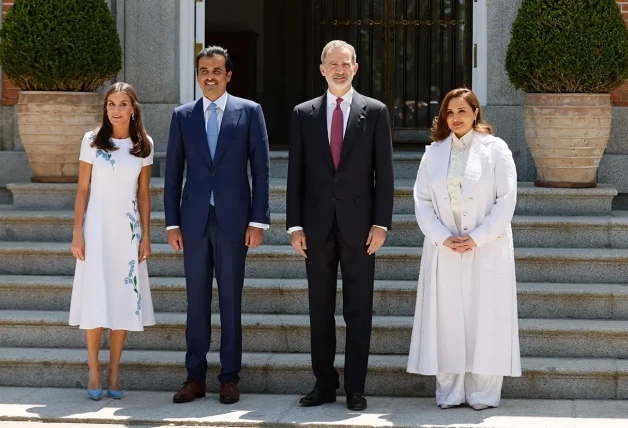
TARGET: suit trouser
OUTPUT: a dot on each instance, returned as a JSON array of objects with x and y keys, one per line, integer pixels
[
  {"x": 200, "y": 257},
  {"x": 358, "y": 270},
  {"x": 472, "y": 388}
]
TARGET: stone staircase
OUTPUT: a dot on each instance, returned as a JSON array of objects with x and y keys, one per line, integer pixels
[{"x": 572, "y": 263}]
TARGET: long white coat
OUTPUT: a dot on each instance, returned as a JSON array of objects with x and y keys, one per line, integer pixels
[{"x": 488, "y": 342}]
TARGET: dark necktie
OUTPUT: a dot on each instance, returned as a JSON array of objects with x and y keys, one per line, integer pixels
[{"x": 335, "y": 141}]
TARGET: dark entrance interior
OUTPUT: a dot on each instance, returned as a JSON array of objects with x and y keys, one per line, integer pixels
[{"x": 410, "y": 52}]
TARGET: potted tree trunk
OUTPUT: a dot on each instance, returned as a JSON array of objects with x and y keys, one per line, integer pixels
[
  {"x": 567, "y": 55},
  {"x": 58, "y": 52}
]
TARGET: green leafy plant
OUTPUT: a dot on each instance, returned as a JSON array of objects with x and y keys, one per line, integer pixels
[
  {"x": 568, "y": 46},
  {"x": 59, "y": 45}
]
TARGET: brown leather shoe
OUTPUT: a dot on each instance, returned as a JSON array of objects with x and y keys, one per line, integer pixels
[
  {"x": 189, "y": 391},
  {"x": 229, "y": 393}
]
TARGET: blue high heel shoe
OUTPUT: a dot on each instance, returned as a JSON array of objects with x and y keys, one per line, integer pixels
[
  {"x": 114, "y": 394},
  {"x": 111, "y": 393},
  {"x": 94, "y": 394}
]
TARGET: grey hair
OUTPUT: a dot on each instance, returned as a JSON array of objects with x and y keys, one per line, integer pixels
[{"x": 338, "y": 44}]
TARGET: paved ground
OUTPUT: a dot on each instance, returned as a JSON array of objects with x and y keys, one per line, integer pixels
[{"x": 61, "y": 408}]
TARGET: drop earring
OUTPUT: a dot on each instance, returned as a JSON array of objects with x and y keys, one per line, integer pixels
[{"x": 132, "y": 116}]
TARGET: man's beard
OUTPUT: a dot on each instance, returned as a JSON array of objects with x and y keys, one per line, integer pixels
[{"x": 338, "y": 86}]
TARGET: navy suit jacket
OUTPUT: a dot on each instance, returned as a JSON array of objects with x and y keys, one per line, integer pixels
[{"x": 242, "y": 138}]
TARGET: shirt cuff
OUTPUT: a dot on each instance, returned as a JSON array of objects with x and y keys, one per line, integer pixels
[
  {"x": 295, "y": 228},
  {"x": 259, "y": 225}
]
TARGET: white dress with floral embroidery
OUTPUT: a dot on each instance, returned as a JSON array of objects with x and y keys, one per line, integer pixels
[{"x": 111, "y": 289}]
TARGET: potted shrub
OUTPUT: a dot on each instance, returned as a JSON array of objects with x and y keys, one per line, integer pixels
[
  {"x": 58, "y": 52},
  {"x": 567, "y": 55}
]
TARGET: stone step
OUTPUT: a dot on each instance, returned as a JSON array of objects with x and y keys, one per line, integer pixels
[
  {"x": 289, "y": 296},
  {"x": 14, "y": 167},
  {"x": 406, "y": 164},
  {"x": 569, "y": 378},
  {"x": 261, "y": 295},
  {"x": 531, "y": 200},
  {"x": 529, "y": 231},
  {"x": 291, "y": 334},
  {"x": 577, "y": 265}
]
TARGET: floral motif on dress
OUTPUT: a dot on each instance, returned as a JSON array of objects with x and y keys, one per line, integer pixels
[
  {"x": 131, "y": 279},
  {"x": 135, "y": 222},
  {"x": 106, "y": 155}
]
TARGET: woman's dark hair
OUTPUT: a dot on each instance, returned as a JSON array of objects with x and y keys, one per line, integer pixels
[
  {"x": 137, "y": 132},
  {"x": 440, "y": 130}
]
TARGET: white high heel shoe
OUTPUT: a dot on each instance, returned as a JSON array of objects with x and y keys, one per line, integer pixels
[
  {"x": 479, "y": 406},
  {"x": 447, "y": 406}
]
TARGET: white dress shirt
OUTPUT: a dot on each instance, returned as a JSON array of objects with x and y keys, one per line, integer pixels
[
  {"x": 345, "y": 106},
  {"x": 221, "y": 103},
  {"x": 458, "y": 158}
]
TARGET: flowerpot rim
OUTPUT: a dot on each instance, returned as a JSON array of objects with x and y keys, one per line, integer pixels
[
  {"x": 570, "y": 94},
  {"x": 59, "y": 92}
]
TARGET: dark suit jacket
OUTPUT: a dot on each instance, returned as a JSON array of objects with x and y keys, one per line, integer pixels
[
  {"x": 242, "y": 138},
  {"x": 360, "y": 193}
]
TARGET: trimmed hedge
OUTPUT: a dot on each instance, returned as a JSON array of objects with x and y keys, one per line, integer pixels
[
  {"x": 568, "y": 46},
  {"x": 59, "y": 45}
]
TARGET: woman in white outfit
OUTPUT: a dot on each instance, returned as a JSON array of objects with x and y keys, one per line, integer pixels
[
  {"x": 465, "y": 326},
  {"x": 111, "y": 238}
]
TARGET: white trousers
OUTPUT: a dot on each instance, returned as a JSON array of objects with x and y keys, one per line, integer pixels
[{"x": 455, "y": 389}]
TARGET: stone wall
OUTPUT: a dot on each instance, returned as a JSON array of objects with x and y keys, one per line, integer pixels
[{"x": 149, "y": 34}]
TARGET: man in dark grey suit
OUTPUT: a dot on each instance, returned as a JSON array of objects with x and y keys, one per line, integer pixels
[{"x": 339, "y": 208}]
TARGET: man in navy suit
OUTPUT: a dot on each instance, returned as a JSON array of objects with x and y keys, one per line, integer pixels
[{"x": 216, "y": 215}]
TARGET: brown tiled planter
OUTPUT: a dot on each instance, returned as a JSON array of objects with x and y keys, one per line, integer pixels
[
  {"x": 52, "y": 125},
  {"x": 567, "y": 135}
]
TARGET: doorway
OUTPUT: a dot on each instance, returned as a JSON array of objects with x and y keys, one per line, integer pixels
[
  {"x": 266, "y": 41},
  {"x": 410, "y": 52}
]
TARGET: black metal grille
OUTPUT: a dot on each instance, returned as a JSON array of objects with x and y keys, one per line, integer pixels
[{"x": 410, "y": 52}]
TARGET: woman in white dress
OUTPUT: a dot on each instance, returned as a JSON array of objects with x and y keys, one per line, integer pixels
[
  {"x": 465, "y": 326},
  {"x": 111, "y": 238}
]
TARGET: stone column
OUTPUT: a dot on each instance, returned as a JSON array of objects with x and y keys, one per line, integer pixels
[{"x": 149, "y": 34}]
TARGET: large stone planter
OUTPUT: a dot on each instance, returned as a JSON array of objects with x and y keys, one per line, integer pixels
[
  {"x": 567, "y": 135},
  {"x": 52, "y": 125}
]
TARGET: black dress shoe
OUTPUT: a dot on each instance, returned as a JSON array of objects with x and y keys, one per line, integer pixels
[
  {"x": 356, "y": 401},
  {"x": 316, "y": 398}
]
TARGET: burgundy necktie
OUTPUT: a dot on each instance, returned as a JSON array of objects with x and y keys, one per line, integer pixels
[{"x": 335, "y": 142}]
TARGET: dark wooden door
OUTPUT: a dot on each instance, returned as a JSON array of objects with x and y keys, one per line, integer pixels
[
  {"x": 410, "y": 53},
  {"x": 242, "y": 47}
]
